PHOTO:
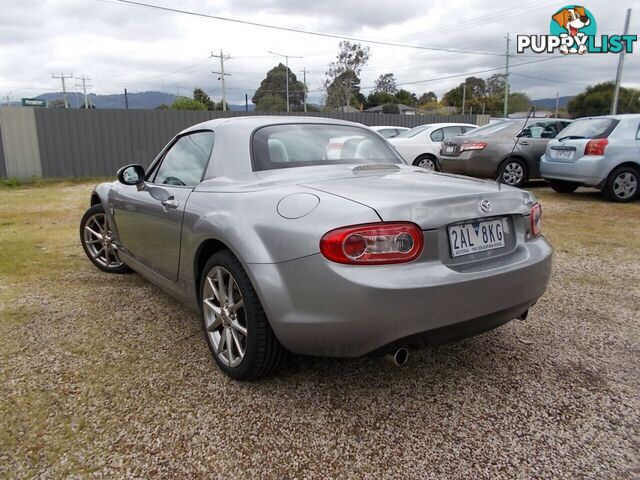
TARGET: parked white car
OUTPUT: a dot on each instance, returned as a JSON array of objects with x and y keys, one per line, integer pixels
[
  {"x": 420, "y": 146},
  {"x": 388, "y": 131}
]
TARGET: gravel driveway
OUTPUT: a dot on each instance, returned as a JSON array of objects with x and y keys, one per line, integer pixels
[{"x": 108, "y": 376}]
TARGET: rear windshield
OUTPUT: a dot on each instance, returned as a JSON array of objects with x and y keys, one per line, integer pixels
[
  {"x": 413, "y": 132},
  {"x": 301, "y": 145},
  {"x": 589, "y": 128},
  {"x": 489, "y": 129}
]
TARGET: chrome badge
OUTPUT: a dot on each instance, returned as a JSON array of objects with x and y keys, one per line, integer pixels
[{"x": 485, "y": 206}]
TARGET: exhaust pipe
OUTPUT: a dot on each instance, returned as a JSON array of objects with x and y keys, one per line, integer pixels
[{"x": 398, "y": 357}]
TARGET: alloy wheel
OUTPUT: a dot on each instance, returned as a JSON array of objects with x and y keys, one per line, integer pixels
[
  {"x": 99, "y": 241},
  {"x": 225, "y": 318},
  {"x": 625, "y": 185},
  {"x": 427, "y": 163},
  {"x": 512, "y": 174}
]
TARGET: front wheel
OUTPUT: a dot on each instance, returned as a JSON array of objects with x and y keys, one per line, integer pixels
[
  {"x": 622, "y": 185},
  {"x": 513, "y": 172},
  {"x": 562, "y": 186},
  {"x": 235, "y": 324},
  {"x": 97, "y": 241}
]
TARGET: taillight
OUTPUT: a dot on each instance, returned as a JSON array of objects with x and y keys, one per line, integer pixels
[
  {"x": 472, "y": 146},
  {"x": 596, "y": 146},
  {"x": 535, "y": 216},
  {"x": 373, "y": 243}
]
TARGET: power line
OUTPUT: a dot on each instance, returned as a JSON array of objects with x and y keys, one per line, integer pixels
[{"x": 306, "y": 32}]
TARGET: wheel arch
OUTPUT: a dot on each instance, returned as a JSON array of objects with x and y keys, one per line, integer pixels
[
  {"x": 424, "y": 155},
  {"x": 205, "y": 250},
  {"x": 633, "y": 165},
  {"x": 503, "y": 162}
]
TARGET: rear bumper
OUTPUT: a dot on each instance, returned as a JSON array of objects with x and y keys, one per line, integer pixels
[
  {"x": 587, "y": 170},
  {"x": 317, "y": 307},
  {"x": 468, "y": 164}
]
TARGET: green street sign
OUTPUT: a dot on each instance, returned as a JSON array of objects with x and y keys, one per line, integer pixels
[{"x": 33, "y": 102}]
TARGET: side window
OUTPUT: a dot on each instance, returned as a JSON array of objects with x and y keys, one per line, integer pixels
[
  {"x": 437, "y": 135},
  {"x": 387, "y": 132},
  {"x": 452, "y": 131},
  {"x": 467, "y": 129},
  {"x": 535, "y": 130},
  {"x": 185, "y": 161},
  {"x": 638, "y": 133}
]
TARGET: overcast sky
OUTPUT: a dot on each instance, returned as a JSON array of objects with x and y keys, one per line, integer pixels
[{"x": 120, "y": 46}]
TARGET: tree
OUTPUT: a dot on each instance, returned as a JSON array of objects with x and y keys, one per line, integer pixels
[
  {"x": 518, "y": 102},
  {"x": 476, "y": 87},
  {"x": 184, "y": 103},
  {"x": 495, "y": 84},
  {"x": 344, "y": 89},
  {"x": 275, "y": 85},
  {"x": 379, "y": 98},
  {"x": 427, "y": 97},
  {"x": 406, "y": 97},
  {"x": 163, "y": 106},
  {"x": 89, "y": 106},
  {"x": 271, "y": 103},
  {"x": 391, "y": 108},
  {"x": 342, "y": 76},
  {"x": 386, "y": 83},
  {"x": 597, "y": 99},
  {"x": 202, "y": 97}
]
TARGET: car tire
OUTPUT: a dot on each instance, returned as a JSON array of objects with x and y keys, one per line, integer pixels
[
  {"x": 513, "y": 172},
  {"x": 623, "y": 185},
  {"x": 241, "y": 340},
  {"x": 428, "y": 162},
  {"x": 97, "y": 243},
  {"x": 562, "y": 186}
]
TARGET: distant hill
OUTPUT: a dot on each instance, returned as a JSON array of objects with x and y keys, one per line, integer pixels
[
  {"x": 139, "y": 100},
  {"x": 550, "y": 103}
]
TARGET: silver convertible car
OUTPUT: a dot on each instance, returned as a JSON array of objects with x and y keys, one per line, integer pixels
[{"x": 282, "y": 245}]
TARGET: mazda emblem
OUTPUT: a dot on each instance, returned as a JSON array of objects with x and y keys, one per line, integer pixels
[{"x": 485, "y": 206}]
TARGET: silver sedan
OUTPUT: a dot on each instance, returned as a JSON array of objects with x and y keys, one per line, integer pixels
[{"x": 312, "y": 235}]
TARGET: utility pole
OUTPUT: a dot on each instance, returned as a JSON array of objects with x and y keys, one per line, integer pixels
[
  {"x": 286, "y": 60},
  {"x": 126, "y": 99},
  {"x": 557, "y": 102},
  {"x": 222, "y": 58},
  {"x": 304, "y": 80},
  {"x": 63, "y": 77},
  {"x": 84, "y": 89},
  {"x": 506, "y": 82},
  {"x": 246, "y": 102},
  {"x": 616, "y": 91},
  {"x": 464, "y": 95}
]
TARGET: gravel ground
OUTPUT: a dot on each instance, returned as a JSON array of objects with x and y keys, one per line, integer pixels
[{"x": 108, "y": 376}]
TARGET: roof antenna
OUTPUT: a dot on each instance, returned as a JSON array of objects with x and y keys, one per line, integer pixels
[{"x": 532, "y": 112}]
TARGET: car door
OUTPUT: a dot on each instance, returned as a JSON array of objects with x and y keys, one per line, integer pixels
[
  {"x": 148, "y": 220},
  {"x": 532, "y": 143}
]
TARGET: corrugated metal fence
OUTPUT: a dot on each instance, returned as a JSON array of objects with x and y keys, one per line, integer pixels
[{"x": 80, "y": 143}]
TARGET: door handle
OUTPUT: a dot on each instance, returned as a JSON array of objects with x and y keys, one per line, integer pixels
[
  {"x": 524, "y": 142},
  {"x": 169, "y": 203}
]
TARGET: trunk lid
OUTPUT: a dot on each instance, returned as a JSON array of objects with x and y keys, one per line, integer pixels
[{"x": 430, "y": 200}]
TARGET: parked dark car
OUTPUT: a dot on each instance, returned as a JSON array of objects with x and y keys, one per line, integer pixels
[{"x": 486, "y": 152}]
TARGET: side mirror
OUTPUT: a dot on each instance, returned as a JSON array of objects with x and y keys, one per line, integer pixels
[{"x": 131, "y": 175}]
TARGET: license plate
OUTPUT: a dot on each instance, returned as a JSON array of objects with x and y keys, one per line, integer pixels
[
  {"x": 449, "y": 149},
  {"x": 476, "y": 237},
  {"x": 562, "y": 154}
]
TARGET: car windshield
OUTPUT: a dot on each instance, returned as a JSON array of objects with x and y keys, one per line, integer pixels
[
  {"x": 301, "y": 145},
  {"x": 489, "y": 129},
  {"x": 413, "y": 132},
  {"x": 588, "y": 128}
]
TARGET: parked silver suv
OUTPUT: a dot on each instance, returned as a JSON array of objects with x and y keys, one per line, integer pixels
[{"x": 601, "y": 152}]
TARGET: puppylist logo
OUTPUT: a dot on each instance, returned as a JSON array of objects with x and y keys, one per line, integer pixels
[{"x": 573, "y": 30}]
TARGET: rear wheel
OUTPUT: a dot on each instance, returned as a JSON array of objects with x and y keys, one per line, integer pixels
[
  {"x": 513, "y": 172},
  {"x": 235, "y": 324},
  {"x": 622, "y": 185},
  {"x": 562, "y": 186},
  {"x": 97, "y": 241},
  {"x": 428, "y": 162}
]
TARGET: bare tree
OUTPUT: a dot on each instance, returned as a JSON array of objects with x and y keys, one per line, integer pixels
[
  {"x": 386, "y": 83},
  {"x": 343, "y": 74}
]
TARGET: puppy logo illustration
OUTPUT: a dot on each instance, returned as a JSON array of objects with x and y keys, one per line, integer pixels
[{"x": 573, "y": 21}]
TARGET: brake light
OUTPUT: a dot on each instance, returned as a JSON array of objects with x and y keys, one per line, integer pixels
[
  {"x": 472, "y": 146},
  {"x": 535, "y": 216},
  {"x": 596, "y": 146},
  {"x": 373, "y": 243}
]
